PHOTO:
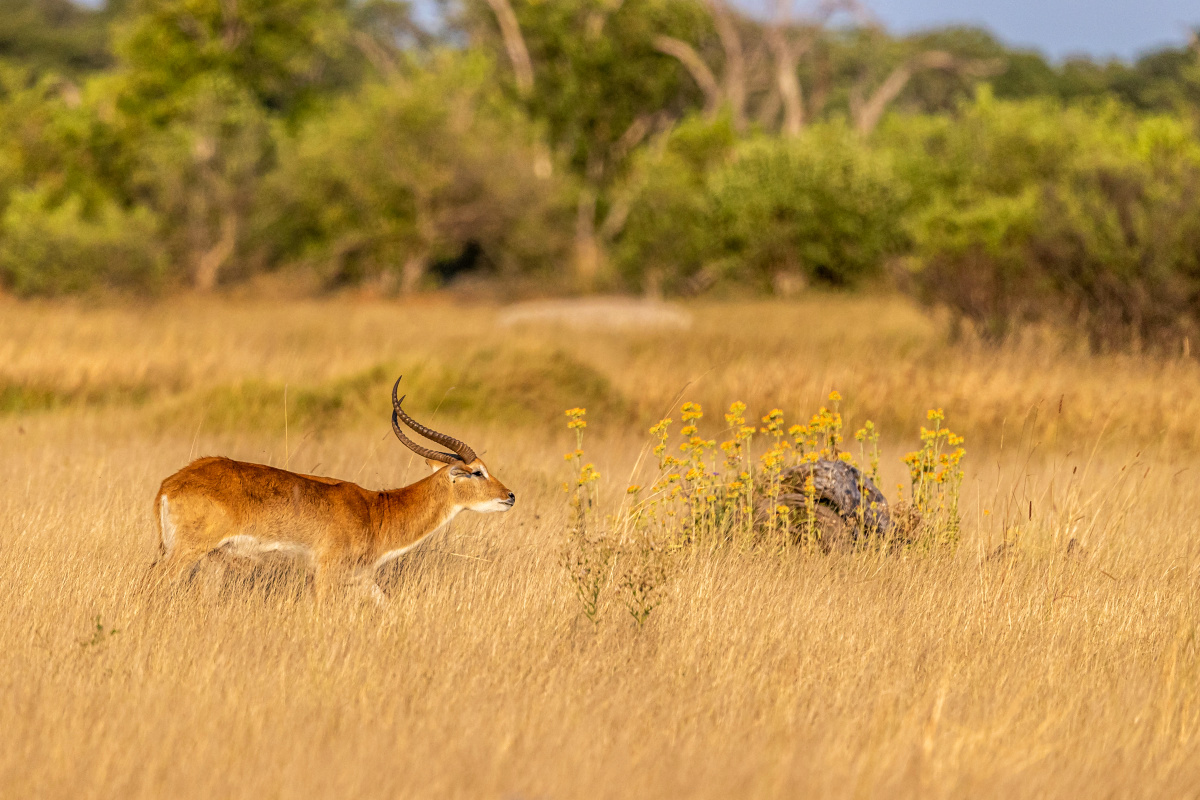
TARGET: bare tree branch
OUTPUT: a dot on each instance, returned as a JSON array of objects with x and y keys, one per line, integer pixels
[
  {"x": 375, "y": 53},
  {"x": 514, "y": 43},
  {"x": 695, "y": 65},
  {"x": 867, "y": 117},
  {"x": 209, "y": 263},
  {"x": 787, "y": 56},
  {"x": 735, "y": 62},
  {"x": 828, "y": 8},
  {"x": 634, "y": 134},
  {"x": 622, "y": 201},
  {"x": 768, "y": 110},
  {"x": 871, "y": 111}
]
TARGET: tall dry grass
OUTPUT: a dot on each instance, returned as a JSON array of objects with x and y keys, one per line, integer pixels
[{"x": 1040, "y": 668}]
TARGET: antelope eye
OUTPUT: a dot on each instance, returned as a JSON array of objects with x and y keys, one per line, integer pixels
[{"x": 477, "y": 474}]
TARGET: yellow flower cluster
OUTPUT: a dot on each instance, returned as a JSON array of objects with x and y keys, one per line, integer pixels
[
  {"x": 693, "y": 497},
  {"x": 576, "y": 416},
  {"x": 587, "y": 474},
  {"x": 936, "y": 473}
]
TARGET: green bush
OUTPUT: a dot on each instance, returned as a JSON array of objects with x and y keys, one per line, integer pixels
[
  {"x": 413, "y": 171},
  {"x": 1029, "y": 210},
  {"x": 201, "y": 173},
  {"x": 48, "y": 249},
  {"x": 668, "y": 238},
  {"x": 824, "y": 209},
  {"x": 50, "y": 135}
]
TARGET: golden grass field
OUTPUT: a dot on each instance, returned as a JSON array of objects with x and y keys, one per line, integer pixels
[{"x": 1042, "y": 669}]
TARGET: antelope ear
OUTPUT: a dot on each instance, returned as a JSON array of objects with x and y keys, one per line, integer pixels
[{"x": 434, "y": 464}]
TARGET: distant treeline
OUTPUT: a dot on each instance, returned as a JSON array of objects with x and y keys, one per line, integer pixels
[{"x": 673, "y": 146}]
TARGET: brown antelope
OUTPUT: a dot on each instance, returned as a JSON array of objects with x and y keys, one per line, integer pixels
[{"x": 232, "y": 508}]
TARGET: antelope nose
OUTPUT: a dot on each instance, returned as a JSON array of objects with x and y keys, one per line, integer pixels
[{"x": 512, "y": 498}]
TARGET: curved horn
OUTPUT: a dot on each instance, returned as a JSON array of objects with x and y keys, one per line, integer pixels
[
  {"x": 464, "y": 452},
  {"x": 425, "y": 452}
]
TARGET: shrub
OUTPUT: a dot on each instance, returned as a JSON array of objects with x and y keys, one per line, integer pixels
[
  {"x": 412, "y": 171},
  {"x": 768, "y": 213},
  {"x": 669, "y": 238},
  {"x": 824, "y": 207},
  {"x": 1029, "y": 210},
  {"x": 50, "y": 249}
]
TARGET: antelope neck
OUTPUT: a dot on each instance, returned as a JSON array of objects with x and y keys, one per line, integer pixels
[{"x": 413, "y": 511}]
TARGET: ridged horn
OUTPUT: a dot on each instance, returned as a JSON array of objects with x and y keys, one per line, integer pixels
[{"x": 462, "y": 452}]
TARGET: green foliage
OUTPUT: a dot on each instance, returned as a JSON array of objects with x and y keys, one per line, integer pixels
[
  {"x": 284, "y": 52},
  {"x": 668, "y": 238},
  {"x": 200, "y": 142},
  {"x": 200, "y": 173},
  {"x": 46, "y": 138},
  {"x": 597, "y": 72},
  {"x": 824, "y": 207},
  {"x": 768, "y": 213},
  {"x": 54, "y": 36},
  {"x": 414, "y": 170},
  {"x": 1032, "y": 210},
  {"x": 49, "y": 248}
]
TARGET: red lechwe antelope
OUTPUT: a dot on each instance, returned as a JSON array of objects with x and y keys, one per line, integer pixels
[{"x": 219, "y": 506}]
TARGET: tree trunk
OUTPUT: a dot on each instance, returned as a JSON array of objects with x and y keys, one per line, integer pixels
[
  {"x": 587, "y": 247},
  {"x": 735, "y": 63},
  {"x": 209, "y": 263},
  {"x": 819, "y": 95},
  {"x": 867, "y": 117},
  {"x": 701, "y": 74},
  {"x": 768, "y": 110},
  {"x": 413, "y": 271},
  {"x": 789, "y": 89},
  {"x": 514, "y": 43},
  {"x": 786, "y": 59}
]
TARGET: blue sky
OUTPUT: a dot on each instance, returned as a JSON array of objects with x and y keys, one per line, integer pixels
[
  {"x": 1059, "y": 28},
  {"x": 1101, "y": 28}
]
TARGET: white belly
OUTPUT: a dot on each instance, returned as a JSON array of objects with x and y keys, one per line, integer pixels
[{"x": 243, "y": 546}]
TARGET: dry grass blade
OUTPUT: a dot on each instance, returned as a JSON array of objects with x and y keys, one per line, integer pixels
[{"x": 1051, "y": 670}]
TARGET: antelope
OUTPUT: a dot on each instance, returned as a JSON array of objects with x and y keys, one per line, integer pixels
[{"x": 217, "y": 506}]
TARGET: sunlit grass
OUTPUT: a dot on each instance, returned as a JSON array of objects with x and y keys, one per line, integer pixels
[
  {"x": 1052, "y": 653},
  {"x": 234, "y": 361}
]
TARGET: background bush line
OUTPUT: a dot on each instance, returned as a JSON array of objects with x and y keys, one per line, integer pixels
[{"x": 157, "y": 145}]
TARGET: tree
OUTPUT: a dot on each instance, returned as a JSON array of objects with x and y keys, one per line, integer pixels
[
  {"x": 600, "y": 86},
  {"x": 201, "y": 171},
  {"x": 283, "y": 52},
  {"x": 199, "y": 81},
  {"x": 55, "y": 36},
  {"x": 411, "y": 171},
  {"x": 64, "y": 226}
]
